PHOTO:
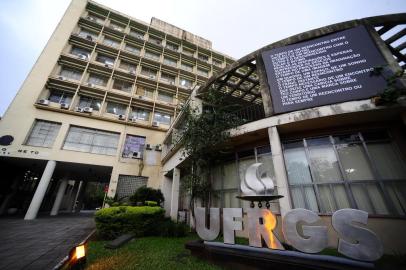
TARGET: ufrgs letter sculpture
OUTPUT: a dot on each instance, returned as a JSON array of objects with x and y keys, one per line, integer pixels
[{"x": 355, "y": 240}]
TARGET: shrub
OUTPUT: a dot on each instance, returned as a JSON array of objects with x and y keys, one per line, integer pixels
[
  {"x": 144, "y": 194},
  {"x": 169, "y": 228},
  {"x": 151, "y": 203},
  {"x": 138, "y": 220}
]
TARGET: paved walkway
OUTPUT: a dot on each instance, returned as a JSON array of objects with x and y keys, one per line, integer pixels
[{"x": 41, "y": 243}]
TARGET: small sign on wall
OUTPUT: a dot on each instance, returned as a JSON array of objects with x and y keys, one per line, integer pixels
[{"x": 326, "y": 70}]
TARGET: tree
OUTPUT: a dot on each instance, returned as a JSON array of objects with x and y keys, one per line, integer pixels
[{"x": 203, "y": 139}]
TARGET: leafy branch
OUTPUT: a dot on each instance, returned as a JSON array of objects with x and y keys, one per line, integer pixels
[{"x": 394, "y": 88}]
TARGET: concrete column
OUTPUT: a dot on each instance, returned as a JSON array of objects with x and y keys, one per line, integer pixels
[
  {"x": 175, "y": 194},
  {"x": 40, "y": 191},
  {"x": 59, "y": 197},
  {"x": 280, "y": 170},
  {"x": 166, "y": 189},
  {"x": 72, "y": 196},
  {"x": 80, "y": 196}
]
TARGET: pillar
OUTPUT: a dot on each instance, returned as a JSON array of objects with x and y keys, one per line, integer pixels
[
  {"x": 72, "y": 196},
  {"x": 175, "y": 194},
  {"x": 59, "y": 197},
  {"x": 280, "y": 170},
  {"x": 40, "y": 191},
  {"x": 80, "y": 196}
]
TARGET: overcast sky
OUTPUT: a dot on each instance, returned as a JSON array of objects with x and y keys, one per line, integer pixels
[{"x": 235, "y": 27}]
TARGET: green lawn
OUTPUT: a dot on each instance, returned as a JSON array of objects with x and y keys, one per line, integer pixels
[{"x": 146, "y": 253}]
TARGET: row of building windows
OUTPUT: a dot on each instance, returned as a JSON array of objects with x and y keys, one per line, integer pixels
[
  {"x": 114, "y": 107},
  {"x": 136, "y": 49},
  {"x": 110, "y": 60},
  {"x": 152, "y": 39},
  {"x": 363, "y": 170},
  {"x": 102, "y": 80},
  {"x": 44, "y": 133}
]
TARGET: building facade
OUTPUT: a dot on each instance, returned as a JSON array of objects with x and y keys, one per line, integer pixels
[
  {"x": 95, "y": 108},
  {"x": 344, "y": 152}
]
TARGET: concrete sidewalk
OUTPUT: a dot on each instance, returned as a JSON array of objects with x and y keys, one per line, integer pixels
[{"x": 41, "y": 243}]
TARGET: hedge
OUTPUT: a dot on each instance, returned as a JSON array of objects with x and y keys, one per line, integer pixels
[{"x": 138, "y": 220}]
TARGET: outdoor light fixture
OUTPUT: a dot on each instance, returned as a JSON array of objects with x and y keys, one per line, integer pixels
[
  {"x": 80, "y": 252},
  {"x": 77, "y": 257}
]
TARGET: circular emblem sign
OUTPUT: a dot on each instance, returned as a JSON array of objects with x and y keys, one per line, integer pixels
[{"x": 6, "y": 140}]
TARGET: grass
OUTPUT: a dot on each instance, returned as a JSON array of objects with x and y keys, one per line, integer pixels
[
  {"x": 170, "y": 253},
  {"x": 146, "y": 253}
]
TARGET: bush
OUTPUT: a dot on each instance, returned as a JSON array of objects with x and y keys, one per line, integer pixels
[
  {"x": 144, "y": 194},
  {"x": 138, "y": 220},
  {"x": 168, "y": 228},
  {"x": 151, "y": 203}
]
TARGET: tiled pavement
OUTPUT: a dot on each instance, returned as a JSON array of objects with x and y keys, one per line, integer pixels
[{"x": 41, "y": 243}]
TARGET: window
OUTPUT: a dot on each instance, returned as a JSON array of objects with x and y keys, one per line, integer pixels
[
  {"x": 228, "y": 174},
  {"x": 97, "y": 79},
  {"x": 87, "y": 34},
  {"x": 133, "y": 146},
  {"x": 132, "y": 49},
  {"x": 148, "y": 72},
  {"x": 91, "y": 102},
  {"x": 142, "y": 91},
  {"x": 117, "y": 27},
  {"x": 111, "y": 42},
  {"x": 203, "y": 72},
  {"x": 172, "y": 46},
  {"x": 152, "y": 55},
  {"x": 95, "y": 18},
  {"x": 58, "y": 96},
  {"x": 217, "y": 63},
  {"x": 168, "y": 78},
  {"x": 127, "y": 66},
  {"x": 186, "y": 83},
  {"x": 162, "y": 118},
  {"x": 43, "y": 133},
  {"x": 188, "y": 52},
  {"x": 71, "y": 73},
  {"x": 170, "y": 61},
  {"x": 80, "y": 51},
  {"x": 360, "y": 170},
  {"x": 91, "y": 141},
  {"x": 105, "y": 59},
  {"x": 164, "y": 96},
  {"x": 140, "y": 114},
  {"x": 116, "y": 108},
  {"x": 203, "y": 57},
  {"x": 186, "y": 66},
  {"x": 155, "y": 40},
  {"x": 137, "y": 34},
  {"x": 122, "y": 85}
]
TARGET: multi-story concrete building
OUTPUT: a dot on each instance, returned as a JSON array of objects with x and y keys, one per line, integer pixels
[{"x": 95, "y": 107}]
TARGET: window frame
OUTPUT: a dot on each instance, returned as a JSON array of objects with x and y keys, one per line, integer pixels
[
  {"x": 27, "y": 138},
  {"x": 377, "y": 180}
]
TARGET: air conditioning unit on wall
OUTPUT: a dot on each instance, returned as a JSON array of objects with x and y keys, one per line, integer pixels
[
  {"x": 121, "y": 117},
  {"x": 155, "y": 124},
  {"x": 64, "y": 106},
  {"x": 88, "y": 109},
  {"x": 43, "y": 102},
  {"x": 136, "y": 155}
]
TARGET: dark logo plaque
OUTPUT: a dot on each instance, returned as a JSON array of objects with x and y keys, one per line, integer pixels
[
  {"x": 326, "y": 70},
  {"x": 6, "y": 140}
]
